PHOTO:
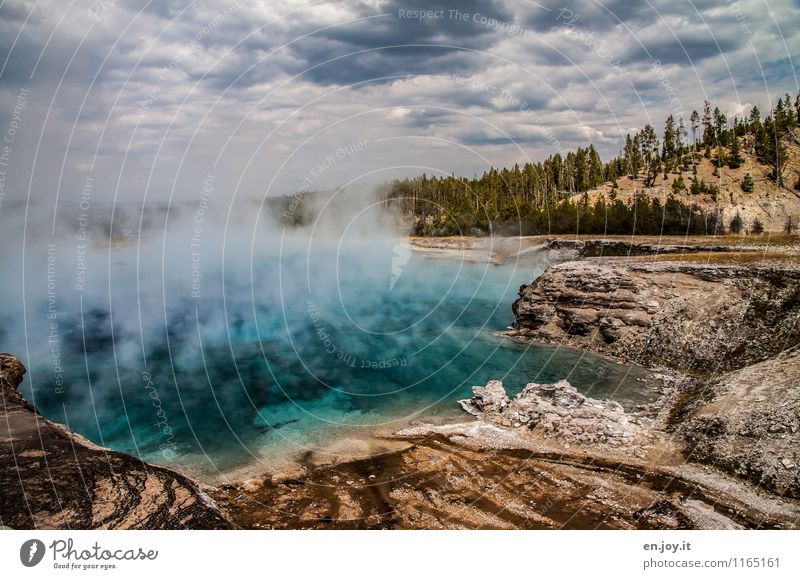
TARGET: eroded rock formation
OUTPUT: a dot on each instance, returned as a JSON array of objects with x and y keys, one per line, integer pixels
[
  {"x": 554, "y": 410},
  {"x": 687, "y": 316},
  {"x": 747, "y": 422}
]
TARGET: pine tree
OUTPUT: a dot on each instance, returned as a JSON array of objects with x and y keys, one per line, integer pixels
[
  {"x": 695, "y": 119},
  {"x": 758, "y": 227},
  {"x": 596, "y": 177},
  {"x": 668, "y": 150},
  {"x": 648, "y": 141},
  {"x": 678, "y": 185},
  {"x": 632, "y": 156},
  {"x": 708, "y": 132},
  {"x": 719, "y": 125},
  {"x": 779, "y": 117},
  {"x": 748, "y": 185},
  {"x": 791, "y": 117},
  {"x": 755, "y": 117},
  {"x": 735, "y": 158},
  {"x": 680, "y": 143},
  {"x": 736, "y": 225},
  {"x": 797, "y": 108}
]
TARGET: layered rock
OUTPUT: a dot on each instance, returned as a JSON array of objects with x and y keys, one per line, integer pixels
[
  {"x": 734, "y": 328},
  {"x": 747, "y": 422},
  {"x": 554, "y": 410},
  {"x": 53, "y": 478},
  {"x": 687, "y": 316}
]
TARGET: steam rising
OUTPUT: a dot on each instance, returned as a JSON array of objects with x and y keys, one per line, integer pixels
[{"x": 213, "y": 334}]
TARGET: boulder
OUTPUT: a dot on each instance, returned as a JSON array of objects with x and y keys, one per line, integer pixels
[{"x": 489, "y": 398}]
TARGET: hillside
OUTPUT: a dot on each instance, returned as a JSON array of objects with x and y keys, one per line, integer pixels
[
  {"x": 692, "y": 179},
  {"x": 771, "y": 204}
]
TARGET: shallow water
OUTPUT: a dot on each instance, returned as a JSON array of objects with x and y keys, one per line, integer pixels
[{"x": 279, "y": 352}]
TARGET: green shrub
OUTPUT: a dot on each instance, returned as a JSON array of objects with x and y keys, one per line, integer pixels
[{"x": 748, "y": 185}]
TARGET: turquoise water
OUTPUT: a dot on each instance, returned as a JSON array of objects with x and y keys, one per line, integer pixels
[{"x": 283, "y": 351}]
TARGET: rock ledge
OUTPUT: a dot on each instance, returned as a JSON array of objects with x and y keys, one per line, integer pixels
[{"x": 554, "y": 410}]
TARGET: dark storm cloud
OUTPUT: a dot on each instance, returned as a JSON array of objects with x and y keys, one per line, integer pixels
[
  {"x": 166, "y": 9},
  {"x": 44, "y": 50},
  {"x": 602, "y": 15},
  {"x": 403, "y": 37},
  {"x": 685, "y": 50},
  {"x": 373, "y": 64},
  {"x": 777, "y": 71},
  {"x": 426, "y": 118},
  {"x": 482, "y": 140},
  {"x": 380, "y": 44},
  {"x": 587, "y": 14},
  {"x": 422, "y": 22}
]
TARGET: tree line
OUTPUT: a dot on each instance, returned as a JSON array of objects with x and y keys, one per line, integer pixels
[{"x": 536, "y": 197}]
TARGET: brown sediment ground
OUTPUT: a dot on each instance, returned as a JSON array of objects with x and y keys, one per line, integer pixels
[
  {"x": 442, "y": 484},
  {"x": 468, "y": 242},
  {"x": 599, "y": 469},
  {"x": 751, "y": 256}
]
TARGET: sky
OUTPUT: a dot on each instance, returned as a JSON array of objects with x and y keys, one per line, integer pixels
[{"x": 137, "y": 101}]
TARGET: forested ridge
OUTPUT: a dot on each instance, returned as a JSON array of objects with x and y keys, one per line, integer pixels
[{"x": 545, "y": 197}]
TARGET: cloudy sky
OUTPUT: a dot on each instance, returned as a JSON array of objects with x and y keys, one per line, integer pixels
[{"x": 147, "y": 99}]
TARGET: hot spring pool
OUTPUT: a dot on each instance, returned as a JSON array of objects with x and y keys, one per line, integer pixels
[{"x": 238, "y": 360}]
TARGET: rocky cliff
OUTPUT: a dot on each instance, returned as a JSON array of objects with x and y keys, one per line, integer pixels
[
  {"x": 689, "y": 316},
  {"x": 732, "y": 329},
  {"x": 52, "y": 478}
]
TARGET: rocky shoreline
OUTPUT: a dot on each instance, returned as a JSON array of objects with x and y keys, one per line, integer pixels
[
  {"x": 53, "y": 478},
  {"x": 548, "y": 459},
  {"x": 719, "y": 450},
  {"x": 692, "y": 317}
]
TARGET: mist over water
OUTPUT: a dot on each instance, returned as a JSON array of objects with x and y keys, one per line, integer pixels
[{"x": 213, "y": 339}]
